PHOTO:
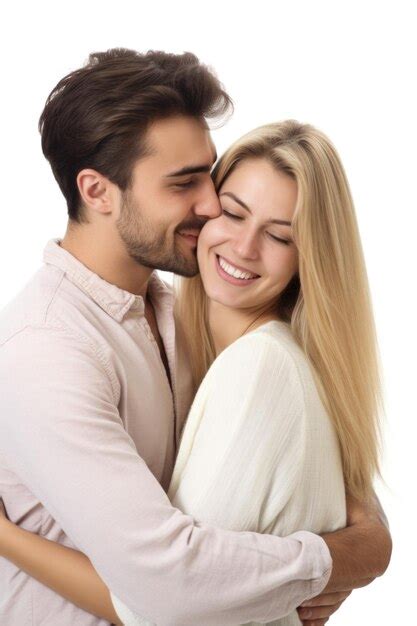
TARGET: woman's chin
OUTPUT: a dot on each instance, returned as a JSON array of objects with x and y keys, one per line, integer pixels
[{"x": 231, "y": 301}]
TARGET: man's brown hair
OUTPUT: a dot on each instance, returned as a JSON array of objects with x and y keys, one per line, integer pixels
[{"x": 97, "y": 116}]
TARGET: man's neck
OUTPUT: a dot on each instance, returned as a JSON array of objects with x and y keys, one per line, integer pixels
[{"x": 106, "y": 256}]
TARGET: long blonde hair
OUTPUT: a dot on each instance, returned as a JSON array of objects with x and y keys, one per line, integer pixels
[{"x": 327, "y": 305}]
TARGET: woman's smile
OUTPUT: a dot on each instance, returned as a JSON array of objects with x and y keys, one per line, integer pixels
[
  {"x": 243, "y": 246},
  {"x": 233, "y": 274}
]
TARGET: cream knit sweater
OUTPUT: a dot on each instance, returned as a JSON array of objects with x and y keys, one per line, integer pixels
[{"x": 258, "y": 451}]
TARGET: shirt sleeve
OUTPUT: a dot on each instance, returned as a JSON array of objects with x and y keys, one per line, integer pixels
[{"x": 63, "y": 436}]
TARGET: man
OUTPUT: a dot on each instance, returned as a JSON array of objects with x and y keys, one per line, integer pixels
[{"x": 94, "y": 380}]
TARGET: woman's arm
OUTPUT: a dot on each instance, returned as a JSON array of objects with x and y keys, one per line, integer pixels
[{"x": 66, "y": 571}]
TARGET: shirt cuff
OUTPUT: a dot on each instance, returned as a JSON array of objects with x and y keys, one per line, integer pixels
[{"x": 318, "y": 554}]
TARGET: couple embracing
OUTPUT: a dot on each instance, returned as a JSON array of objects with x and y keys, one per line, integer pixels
[{"x": 208, "y": 459}]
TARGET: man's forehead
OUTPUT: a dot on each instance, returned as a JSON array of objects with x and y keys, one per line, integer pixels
[
  {"x": 213, "y": 147},
  {"x": 181, "y": 142}
]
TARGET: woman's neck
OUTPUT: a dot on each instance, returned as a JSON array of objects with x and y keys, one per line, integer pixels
[{"x": 228, "y": 324}]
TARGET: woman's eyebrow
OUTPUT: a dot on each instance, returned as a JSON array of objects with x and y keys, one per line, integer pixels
[{"x": 245, "y": 206}]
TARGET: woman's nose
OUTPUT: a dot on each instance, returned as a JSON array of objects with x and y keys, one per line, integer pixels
[{"x": 246, "y": 245}]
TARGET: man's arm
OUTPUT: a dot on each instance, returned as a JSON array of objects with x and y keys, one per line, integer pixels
[
  {"x": 65, "y": 439},
  {"x": 70, "y": 573},
  {"x": 361, "y": 552},
  {"x": 61, "y": 433}
]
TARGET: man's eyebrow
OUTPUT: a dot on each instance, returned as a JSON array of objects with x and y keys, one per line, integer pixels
[
  {"x": 245, "y": 206},
  {"x": 192, "y": 169}
]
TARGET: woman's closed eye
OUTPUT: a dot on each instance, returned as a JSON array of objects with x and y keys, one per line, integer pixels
[
  {"x": 233, "y": 216},
  {"x": 275, "y": 238}
]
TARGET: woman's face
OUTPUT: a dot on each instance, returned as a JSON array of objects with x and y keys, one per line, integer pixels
[{"x": 247, "y": 255}]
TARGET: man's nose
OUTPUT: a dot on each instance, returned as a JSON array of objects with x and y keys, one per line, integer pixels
[{"x": 208, "y": 205}]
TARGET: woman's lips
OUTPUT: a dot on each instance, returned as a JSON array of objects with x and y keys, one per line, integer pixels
[
  {"x": 239, "y": 282},
  {"x": 238, "y": 267}
]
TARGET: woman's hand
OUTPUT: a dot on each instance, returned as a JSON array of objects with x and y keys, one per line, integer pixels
[
  {"x": 4, "y": 526},
  {"x": 2, "y": 510},
  {"x": 4, "y": 520}
]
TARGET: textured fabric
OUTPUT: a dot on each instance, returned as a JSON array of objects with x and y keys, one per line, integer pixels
[
  {"x": 83, "y": 390},
  {"x": 88, "y": 428},
  {"x": 259, "y": 452}
]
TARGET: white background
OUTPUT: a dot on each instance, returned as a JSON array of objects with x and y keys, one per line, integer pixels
[{"x": 348, "y": 68}]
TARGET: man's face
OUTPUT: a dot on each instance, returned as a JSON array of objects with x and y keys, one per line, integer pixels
[{"x": 171, "y": 196}]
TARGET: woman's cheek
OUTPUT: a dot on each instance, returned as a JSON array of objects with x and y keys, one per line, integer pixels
[
  {"x": 203, "y": 246},
  {"x": 215, "y": 232},
  {"x": 284, "y": 265},
  {"x": 219, "y": 230},
  {"x": 210, "y": 235}
]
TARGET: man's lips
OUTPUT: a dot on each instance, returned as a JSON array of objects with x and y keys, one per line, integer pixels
[
  {"x": 190, "y": 236},
  {"x": 192, "y": 233}
]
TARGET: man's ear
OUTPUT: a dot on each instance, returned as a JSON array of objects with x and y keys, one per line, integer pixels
[{"x": 96, "y": 191}]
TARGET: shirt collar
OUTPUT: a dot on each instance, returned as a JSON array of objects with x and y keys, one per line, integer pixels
[{"x": 115, "y": 301}]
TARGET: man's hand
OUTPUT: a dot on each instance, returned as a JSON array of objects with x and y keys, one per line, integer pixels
[
  {"x": 362, "y": 550},
  {"x": 316, "y": 612},
  {"x": 360, "y": 553}
]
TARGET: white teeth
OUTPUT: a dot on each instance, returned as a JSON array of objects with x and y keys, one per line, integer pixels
[{"x": 233, "y": 271}]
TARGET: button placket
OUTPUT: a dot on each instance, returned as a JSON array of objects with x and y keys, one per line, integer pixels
[{"x": 145, "y": 325}]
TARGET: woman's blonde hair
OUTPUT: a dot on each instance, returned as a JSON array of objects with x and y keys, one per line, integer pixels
[{"x": 327, "y": 304}]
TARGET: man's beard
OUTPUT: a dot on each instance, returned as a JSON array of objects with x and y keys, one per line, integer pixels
[{"x": 148, "y": 247}]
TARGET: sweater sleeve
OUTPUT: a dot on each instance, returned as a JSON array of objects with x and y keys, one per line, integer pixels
[{"x": 241, "y": 456}]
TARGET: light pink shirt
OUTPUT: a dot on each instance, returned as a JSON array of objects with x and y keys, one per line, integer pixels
[{"x": 89, "y": 428}]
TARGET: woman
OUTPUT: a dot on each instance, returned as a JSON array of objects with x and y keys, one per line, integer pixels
[{"x": 283, "y": 348}]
